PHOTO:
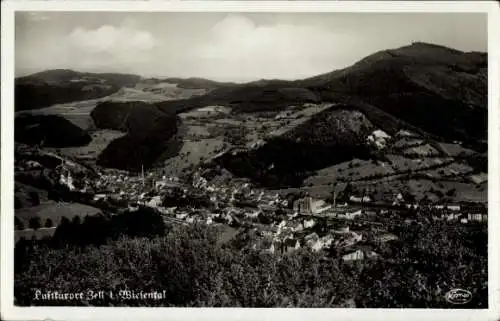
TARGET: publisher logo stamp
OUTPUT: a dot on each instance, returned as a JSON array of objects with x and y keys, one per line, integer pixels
[{"x": 458, "y": 296}]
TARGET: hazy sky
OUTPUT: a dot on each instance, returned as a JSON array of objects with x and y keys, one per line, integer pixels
[{"x": 222, "y": 46}]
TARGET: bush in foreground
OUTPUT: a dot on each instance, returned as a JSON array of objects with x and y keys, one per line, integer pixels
[{"x": 194, "y": 269}]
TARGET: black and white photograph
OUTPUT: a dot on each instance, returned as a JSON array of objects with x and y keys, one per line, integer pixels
[{"x": 249, "y": 159}]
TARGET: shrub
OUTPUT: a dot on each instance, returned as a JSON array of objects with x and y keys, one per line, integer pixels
[
  {"x": 195, "y": 269},
  {"x": 145, "y": 222},
  {"x": 18, "y": 224},
  {"x": 34, "y": 223},
  {"x": 236, "y": 135},
  {"x": 48, "y": 223},
  {"x": 451, "y": 192},
  {"x": 35, "y": 198}
]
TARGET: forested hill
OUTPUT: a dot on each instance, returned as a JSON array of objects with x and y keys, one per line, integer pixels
[
  {"x": 59, "y": 86},
  {"x": 440, "y": 90}
]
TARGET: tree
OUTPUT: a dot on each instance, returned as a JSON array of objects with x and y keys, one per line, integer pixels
[
  {"x": 236, "y": 135},
  {"x": 409, "y": 197},
  {"x": 48, "y": 223},
  {"x": 35, "y": 199},
  {"x": 17, "y": 203},
  {"x": 76, "y": 220},
  {"x": 348, "y": 190},
  {"x": 18, "y": 224},
  {"x": 451, "y": 192},
  {"x": 63, "y": 232},
  {"x": 194, "y": 270},
  {"x": 145, "y": 222},
  {"x": 34, "y": 223}
]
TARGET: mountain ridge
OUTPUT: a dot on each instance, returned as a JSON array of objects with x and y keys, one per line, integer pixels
[{"x": 437, "y": 92}]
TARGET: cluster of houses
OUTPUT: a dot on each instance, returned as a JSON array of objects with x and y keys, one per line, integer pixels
[
  {"x": 449, "y": 212},
  {"x": 136, "y": 189},
  {"x": 237, "y": 192},
  {"x": 239, "y": 204},
  {"x": 279, "y": 233},
  {"x": 292, "y": 235}
]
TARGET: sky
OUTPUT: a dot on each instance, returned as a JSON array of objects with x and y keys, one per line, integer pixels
[{"x": 228, "y": 46}]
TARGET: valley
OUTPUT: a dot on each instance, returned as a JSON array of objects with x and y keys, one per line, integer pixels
[{"x": 350, "y": 165}]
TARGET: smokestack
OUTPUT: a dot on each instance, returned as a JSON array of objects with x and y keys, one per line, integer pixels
[{"x": 334, "y": 198}]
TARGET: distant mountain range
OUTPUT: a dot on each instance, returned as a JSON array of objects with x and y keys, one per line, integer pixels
[
  {"x": 59, "y": 86},
  {"x": 437, "y": 92},
  {"x": 441, "y": 90}
]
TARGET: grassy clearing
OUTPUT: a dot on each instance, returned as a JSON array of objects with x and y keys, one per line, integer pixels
[
  {"x": 432, "y": 190},
  {"x": 132, "y": 94},
  {"x": 456, "y": 149},
  {"x": 401, "y": 163},
  {"x": 422, "y": 150},
  {"x": 352, "y": 170},
  {"x": 407, "y": 143},
  {"x": 169, "y": 91},
  {"x": 77, "y": 112},
  {"x": 467, "y": 192},
  {"x": 453, "y": 170},
  {"x": 193, "y": 153},
  {"x": 100, "y": 140},
  {"x": 55, "y": 211}
]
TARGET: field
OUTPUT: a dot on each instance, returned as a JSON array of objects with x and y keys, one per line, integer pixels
[
  {"x": 78, "y": 112},
  {"x": 169, "y": 91},
  {"x": 454, "y": 170},
  {"x": 456, "y": 149},
  {"x": 425, "y": 189},
  {"x": 401, "y": 163},
  {"x": 90, "y": 152},
  {"x": 480, "y": 178},
  {"x": 422, "y": 150},
  {"x": 192, "y": 153},
  {"x": 407, "y": 143},
  {"x": 55, "y": 211},
  {"x": 450, "y": 180},
  {"x": 133, "y": 94},
  {"x": 205, "y": 112},
  {"x": 298, "y": 118},
  {"x": 385, "y": 176},
  {"x": 353, "y": 170},
  {"x": 467, "y": 192},
  {"x": 23, "y": 194}
]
